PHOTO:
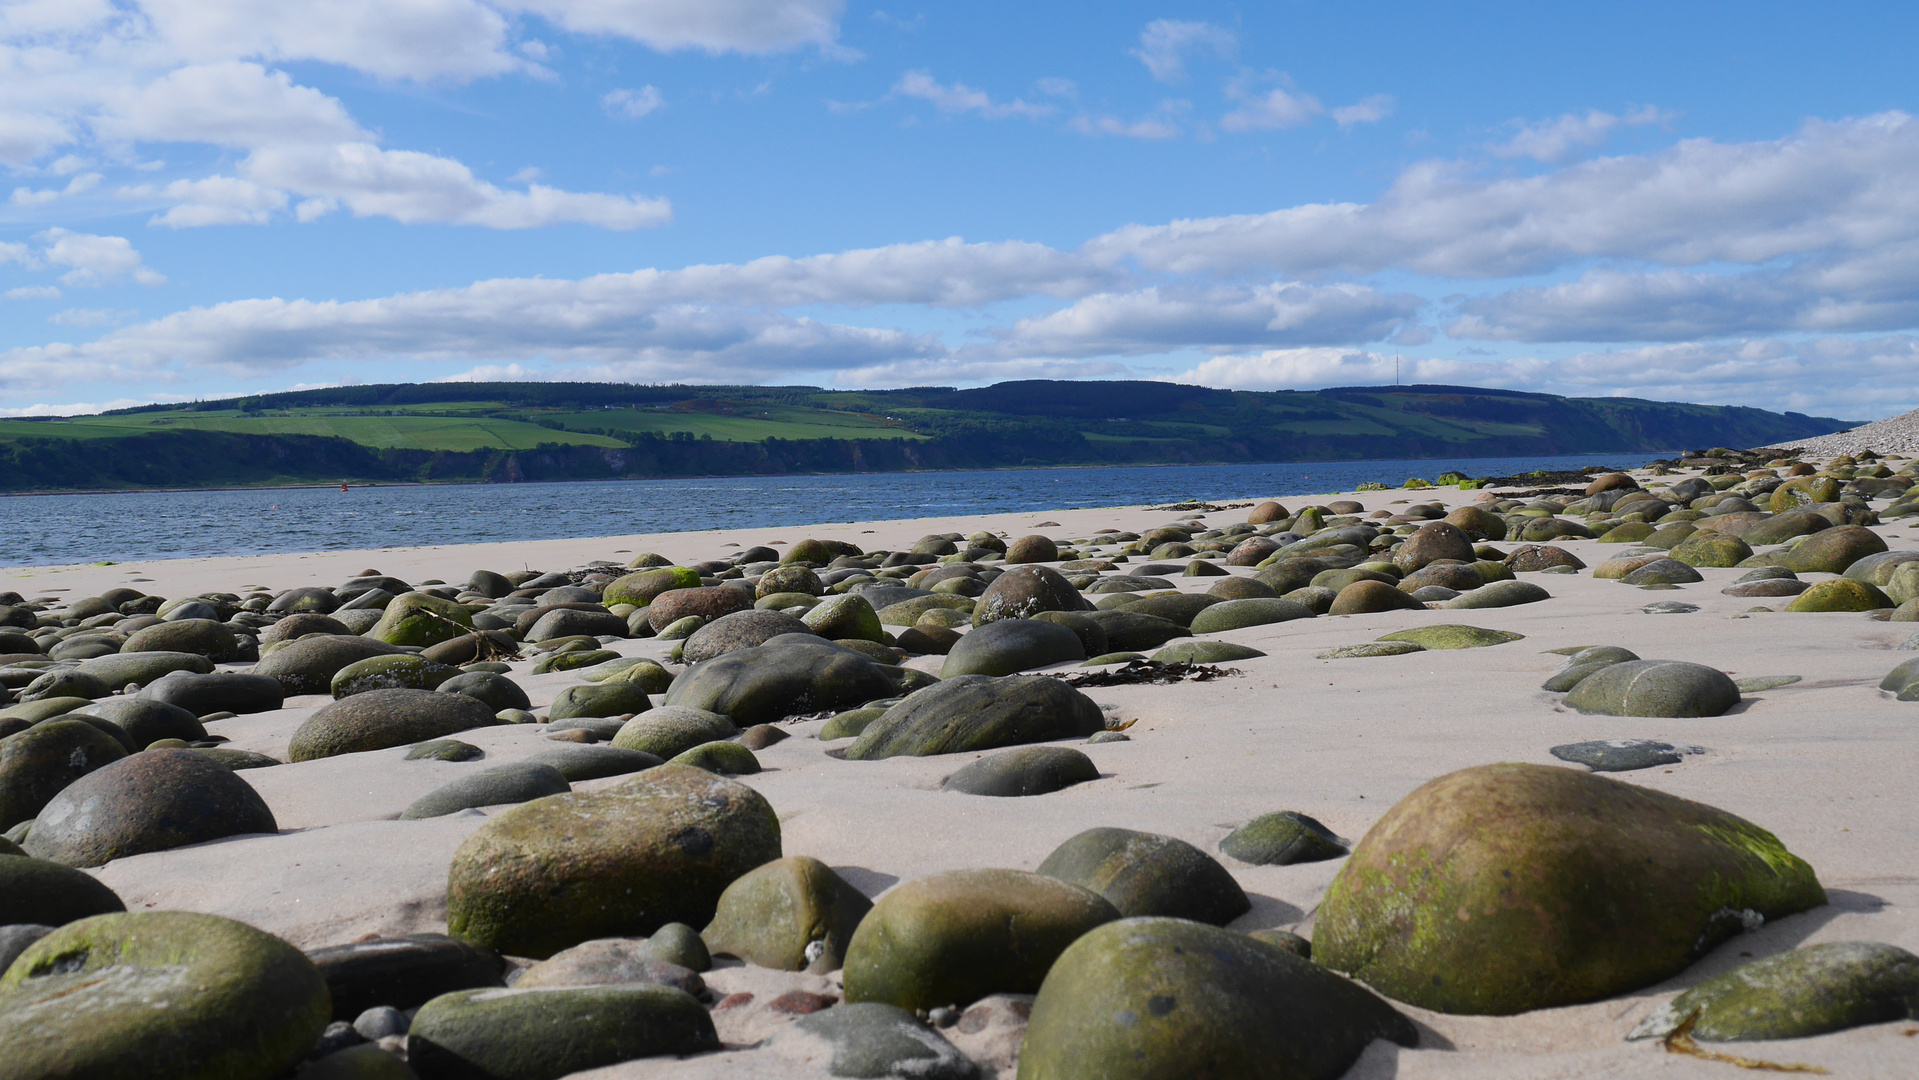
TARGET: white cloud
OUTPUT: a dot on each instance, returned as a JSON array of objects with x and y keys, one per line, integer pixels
[
  {"x": 394, "y": 39},
  {"x": 1840, "y": 186},
  {"x": 960, "y": 98},
  {"x": 1367, "y": 110},
  {"x": 1161, "y": 123},
  {"x": 29, "y": 197},
  {"x": 216, "y": 200},
  {"x": 20, "y": 253},
  {"x": 1850, "y": 378},
  {"x": 227, "y": 104},
  {"x": 1314, "y": 368},
  {"x": 1155, "y": 320},
  {"x": 714, "y": 26},
  {"x": 1570, "y": 135},
  {"x": 412, "y": 187},
  {"x": 940, "y": 371},
  {"x": 33, "y": 292},
  {"x": 78, "y": 408},
  {"x": 95, "y": 260},
  {"x": 1283, "y": 106},
  {"x": 1165, "y": 44},
  {"x": 85, "y": 317},
  {"x": 632, "y": 104},
  {"x": 1060, "y": 88}
]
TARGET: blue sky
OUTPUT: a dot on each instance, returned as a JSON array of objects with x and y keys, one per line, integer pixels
[{"x": 1706, "y": 202}]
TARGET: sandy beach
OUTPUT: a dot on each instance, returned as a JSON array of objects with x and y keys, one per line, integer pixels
[{"x": 1826, "y": 763}]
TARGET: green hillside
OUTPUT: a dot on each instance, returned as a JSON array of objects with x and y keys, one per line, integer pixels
[{"x": 519, "y": 431}]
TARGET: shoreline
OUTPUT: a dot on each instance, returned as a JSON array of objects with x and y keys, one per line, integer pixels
[
  {"x": 1824, "y": 763},
  {"x": 770, "y": 476}
]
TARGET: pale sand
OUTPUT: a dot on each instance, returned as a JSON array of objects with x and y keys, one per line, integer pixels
[{"x": 1827, "y": 764}]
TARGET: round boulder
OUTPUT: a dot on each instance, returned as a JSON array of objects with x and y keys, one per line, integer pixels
[
  {"x": 379, "y": 719},
  {"x": 1012, "y": 645},
  {"x": 1142, "y": 873},
  {"x": 151, "y": 801},
  {"x": 40, "y": 762},
  {"x": 709, "y": 602},
  {"x": 1024, "y": 591},
  {"x": 1032, "y": 549},
  {"x": 1026, "y": 770},
  {"x": 955, "y": 937},
  {"x": 621, "y": 861},
  {"x": 1147, "y": 998},
  {"x": 160, "y": 994},
  {"x": 1575, "y": 888},
  {"x": 47, "y": 893},
  {"x": 792, "y": 914},
  {"x": 1668, "y": 688},
  {"x": 978, "y": 712}
]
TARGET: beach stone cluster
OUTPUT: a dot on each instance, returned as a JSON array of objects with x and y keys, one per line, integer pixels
[{"x": 608, "y": 885}]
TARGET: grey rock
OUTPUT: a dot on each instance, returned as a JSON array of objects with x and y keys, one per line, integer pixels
[
  {"x": 1281, "y": 839},
  {"x": 872, "y": 1039},
  {"x": 514, "y": 782},
  {"x": 1012, "y": 645},
  {"x": 1668, "y": 688},
  {"x": 978, "y": 712},
  {"x": 1027, "y": 770},
  {"x": 151, "y": 801},
  {"x": 1623, "y": 755},
  {"x": 1143, "y": 873}
]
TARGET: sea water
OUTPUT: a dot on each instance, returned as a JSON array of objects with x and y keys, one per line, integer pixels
[{"x": 54, "y": 529}]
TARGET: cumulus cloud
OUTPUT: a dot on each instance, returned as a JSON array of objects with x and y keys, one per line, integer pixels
[
  {"x": 1832, "y": 186},
  {"x": 959, "y": 98},
  {"x": 1313, "y": 368},
  {"x": 1271, "y": 102},
  {"x": 411, "y": 187},
  {"x": 1161, "y": 123},
  {"x": 1570, "y": 135},
  {"x": 95, "y": 260},
  {"x": 114, "y": 77},
  {"x": 33, "y": 292},
  {"x": 1165, "y": 44}
]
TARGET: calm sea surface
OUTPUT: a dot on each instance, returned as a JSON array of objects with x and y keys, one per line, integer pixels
[{"x": 39, "y": 529}]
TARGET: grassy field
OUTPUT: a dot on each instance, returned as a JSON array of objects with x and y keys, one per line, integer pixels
[
  {"x": 743, "y": 425},
  {"x": 408, "y": 432}
]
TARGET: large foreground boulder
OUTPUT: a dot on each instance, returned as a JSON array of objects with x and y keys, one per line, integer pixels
[
  {"x": 1504, "y": 888},
  {"x": 159, "y": 994},
  {"x": 618, "y": 862},
  {"x": 979, "y": 712},
  {"x": 1153, "y": 998}
]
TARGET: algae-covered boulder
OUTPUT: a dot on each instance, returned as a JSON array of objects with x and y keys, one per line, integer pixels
[
  {"x": 610, "y": 698},
  {"x": 1023, "y": 771},
  {"x": 621, "y": 861},
  {"x": 1025, "y": 591},
  {"x": 1669, "y": 688},
  {"x": 47, "y": 893},
  {"x": 642, "y": 588},
  {"x": 404, "y": 671},
  {"x": 719, "y": 756},
  {"x": 159, "y": 994},
  {"x": 1453, "y": 636},
  {"x": 1805, "y": 992},
  {"x": 1840, "y": 594},
  {"x": 1155, "y": 999},
  {"x": 379, "y": 719},
  {"x": 844, "y": 617},
  {"x": 549, "y": 1032},
  {"x": 1142, "y": 873},
  {"x": 955, "y": 937},
  {"x": 1282, "y": 838},
  {"x": 672, "y": 730},
  {"x": 1504, "y": 888},
  {"x": 38, "y": 763},
  {"x": 202, "y": 637},
  {"x": 1249, "y": 611},
  {"x": 307, "y": 665},
  {"x": 1132, "y": 631},
  {"x": 978, "y": 712},
  {"x": 1705, "y": 548},
  {"x": 787, "y": 676},
  {"x": 1012, "y": 645},
  {"x": 151, "y": 801},
  {"x": 421, "y": 619},
  {"x": 1498, "y": 594},
  {"x": 1831, "y": 551},
  {"x": 1434, "y": 540},
  {"x": 792, "y": 914}
]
